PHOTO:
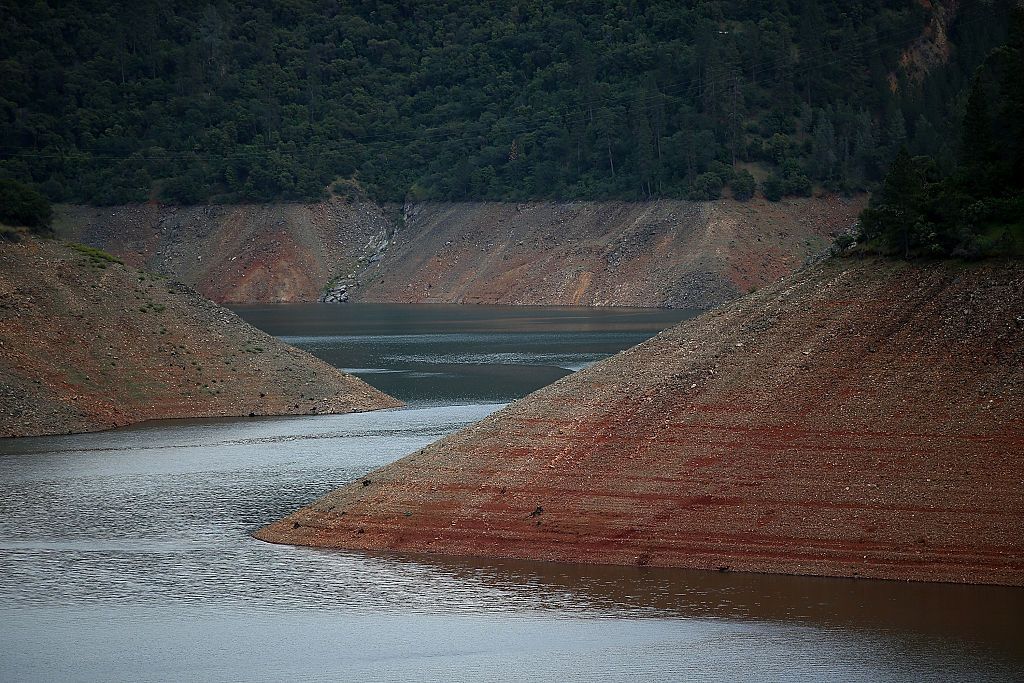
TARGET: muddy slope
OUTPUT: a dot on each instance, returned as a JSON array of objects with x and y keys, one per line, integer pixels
[
  {"x": 88, "y": 344},
  {"x": 859, "y": 419},
  {"x": 664, "y": 253}
]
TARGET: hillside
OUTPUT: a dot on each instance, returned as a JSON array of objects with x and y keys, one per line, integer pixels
[
  {"x": 861, "y": 419},
  {"x": 661, "y": 253},
  {"x": 87, "y": 344},
  {"x": 183, "y": 102},
  {"x": 236, "y": 254}
]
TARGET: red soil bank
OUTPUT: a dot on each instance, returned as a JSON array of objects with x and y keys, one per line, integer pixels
[
  {"x": 88, "y": 344},
  {"x": 659, "y": 253},
  {"x": 861, "y": 418}
]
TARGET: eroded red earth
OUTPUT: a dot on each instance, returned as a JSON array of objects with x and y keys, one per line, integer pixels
[
  {"x": 87, "y": 344},
  {"x": 859, "y": 419}
]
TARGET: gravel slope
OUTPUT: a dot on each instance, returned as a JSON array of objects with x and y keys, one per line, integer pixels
[
  {"x": 861, "y": 418},
  {"x": 660, "y": 253},
  {"x": 88, "y": 344}
]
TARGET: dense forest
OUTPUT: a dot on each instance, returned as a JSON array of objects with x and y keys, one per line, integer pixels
[
  {"x": 976, "y": 209},
  {"x": 115, "y": 101}
]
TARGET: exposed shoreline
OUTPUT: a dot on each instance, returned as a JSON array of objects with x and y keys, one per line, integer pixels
[
  {"x": 663, "y": 253},
  {"x": 860, "y": 419},
  {"x": 88, "y": 344}
]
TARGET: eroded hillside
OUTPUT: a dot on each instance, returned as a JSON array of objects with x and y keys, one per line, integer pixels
[
  {"x": 661, "y": 253},
  {"x": 861, "y": 418},
  {"x": 87, "y": 343},
  {"x": 239, "y": 253}
]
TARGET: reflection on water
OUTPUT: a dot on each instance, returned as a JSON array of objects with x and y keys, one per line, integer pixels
[{"x": 125, "y": 555}]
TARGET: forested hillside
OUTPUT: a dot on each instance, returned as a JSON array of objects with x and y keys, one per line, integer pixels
[
  {"x": 977, "y": 209},
  {"x": 114, "y": 102}
]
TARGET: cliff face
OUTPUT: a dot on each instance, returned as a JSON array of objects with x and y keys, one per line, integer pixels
[
  {"x": 664, "y": 253},
  {"x": 88, "y": 344},
  {"x": 932, "y": 48},
  {"x": 861, "y": 418}
]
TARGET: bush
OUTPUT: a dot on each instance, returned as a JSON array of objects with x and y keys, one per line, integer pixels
[
  {"x": 743, "y": 185},
  {"x": 705, "y": 187},
  {"x": 184, "y": 189},
  {"x": 20, "y": 205},
  {"x": 9, "y": 234},
  {"x": 795, "y": 180},
  {"x": 843, "y": 243},
  {"x": 773, "y": 188},
  {"x": 97, "y": 256}
]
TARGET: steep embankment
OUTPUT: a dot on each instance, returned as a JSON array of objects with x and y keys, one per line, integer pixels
[
  {"x": 862, "y": 418},
  {"x": 236, "y": 253},
  {"x": 87, "y": 344},
  {"x": 663, "y": 253}
]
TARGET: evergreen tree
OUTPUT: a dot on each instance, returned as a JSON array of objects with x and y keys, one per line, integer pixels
[
  {"x": 277, "y": 101},
  {"x": 977, "y": 151}
]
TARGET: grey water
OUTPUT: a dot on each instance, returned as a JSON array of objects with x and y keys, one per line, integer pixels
[
  {"x": 445, "y": 354},
  {"x": 126, "y": 555}
]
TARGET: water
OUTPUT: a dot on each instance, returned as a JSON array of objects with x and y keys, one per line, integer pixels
[
  {"x": 443, "y": 354},
  {"x": 125, "y": 555}
]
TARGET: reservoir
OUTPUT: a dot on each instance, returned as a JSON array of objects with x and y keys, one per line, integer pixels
[{"x": 126, "y": 555}]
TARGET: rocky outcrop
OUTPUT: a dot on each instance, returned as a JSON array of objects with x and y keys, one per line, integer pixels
[
  {"x": 661, "y": 253},
  {"x": 87, "y": 343},
  {"x": 932, "y": 48},
  {"x": 861, "y": 418}
]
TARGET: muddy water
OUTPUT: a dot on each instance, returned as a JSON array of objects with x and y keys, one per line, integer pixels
[{"x": 126, "y": 556}]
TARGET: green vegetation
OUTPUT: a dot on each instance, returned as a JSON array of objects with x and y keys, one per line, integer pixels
[
  {"x": 977, "y": 210},
  {"x": 152, "y": 307},
  {"x": 111, "y": 102},
  {"x": 9, "y": 234},
  {"x": 23, "y": 206},
  {"x": 97, "y": 257}
]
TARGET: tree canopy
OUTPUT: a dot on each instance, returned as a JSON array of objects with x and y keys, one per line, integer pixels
[
  {"x": 976, "y": 209},
  {"x": 21, "y": 206},
  {"x": 182, "y": 101}
]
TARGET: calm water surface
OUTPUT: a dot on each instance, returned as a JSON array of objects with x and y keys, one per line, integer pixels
[
  {"x": 126, "y": 556},
  {"x": 439, "y": 355}
]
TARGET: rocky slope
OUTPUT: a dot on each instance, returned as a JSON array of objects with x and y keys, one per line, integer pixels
[
  {"x": 236, "y": 253},
  {"x": 861, "y": 418},
  {"x": 663, "y": 253},
  {"x": 87, "y": 343}
]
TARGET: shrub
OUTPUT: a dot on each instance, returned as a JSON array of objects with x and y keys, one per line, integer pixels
[
  {"x": 97, "y": 256},
  {"x": 773, "y": 188},
  {"x": 743, "y": 185},
  {"x": 706, "y": 186},
  {"x": 21, "y": 205}
]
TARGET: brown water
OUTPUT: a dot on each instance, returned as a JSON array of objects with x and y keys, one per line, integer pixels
[{"x": 126, "y": 556}]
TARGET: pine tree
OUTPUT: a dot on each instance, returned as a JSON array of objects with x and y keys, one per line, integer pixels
[{"x": 977, "y": 149}]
